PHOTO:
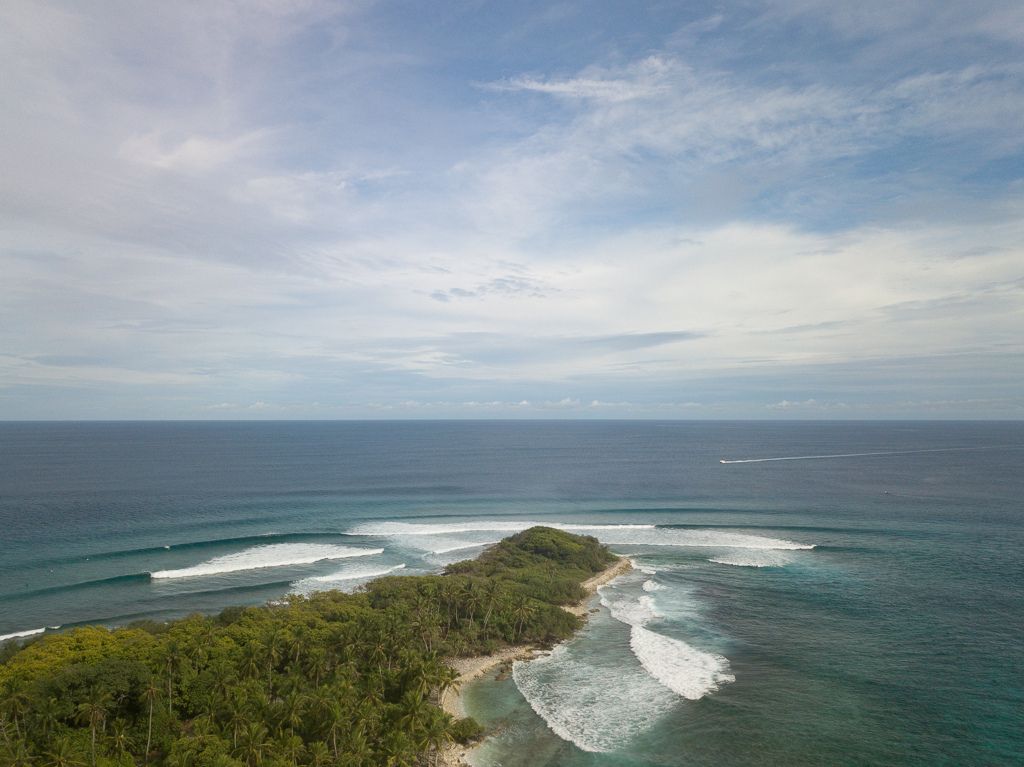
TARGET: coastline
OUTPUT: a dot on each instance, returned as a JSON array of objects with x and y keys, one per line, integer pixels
[{"x": 451, "y": 755}]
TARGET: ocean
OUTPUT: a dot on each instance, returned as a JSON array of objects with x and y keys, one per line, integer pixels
[{"x": 858, "y": 599}]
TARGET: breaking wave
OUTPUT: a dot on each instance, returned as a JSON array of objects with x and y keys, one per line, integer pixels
[
  {"x": 333, "y": 581},
  {"x": 765, "y": 558},
  {"x": 599, "y": 704},
  {"x": 22, "y": 634},
  {"x": 273, "y": 555},
  {"x": 683, "y": 669},
  {"x": 639, "y": 535},
  {"x": 633, "y": 612},
  {"x": 388, "y": 529}
]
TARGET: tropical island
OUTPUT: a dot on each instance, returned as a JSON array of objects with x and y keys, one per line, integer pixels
[{"x": 331, "y": 679}]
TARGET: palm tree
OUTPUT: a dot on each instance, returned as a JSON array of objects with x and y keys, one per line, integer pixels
[
  {"x": 254, "y": 743},
  {"x": 274, "y": 644},
  {"x": 237, "y": 717},
  {"x": 472, "y": 598},
  {"x": 300, "y": 640},
  {"x": 15, "y": 700},
  {"x": 358, "y": 749},
  {"x": 293, "y": 747},
  {"x": 223, "y": 682},
  {"x": 171, "y": 654},
  {"x": 318, "y": 754},
  {"x": 334, "y": 722},
  {"x": 223, "y": 760},
  {"x": 251, "y": 659},
  {"x": 94, "y": 710},
  {"x": 48, "y": 714},
  {"x": 119, "y": 741},
  {"x": 3, "y": 728},
  {"x": 397, "y": 748},
  {"x": 18, "y": 755},
  {"x": 436, "y": 733},
  {"x": 149, "y": 695},
  {"x": 196, "y": 651},
  {"x": 414, "y": 711},
  {"x": 447, "y": 679},
  {"x": 521, "y": 611},
  {"x": 292, "y": 707},
  {"x": 493, "y": 591},
  {"x": 378, "y": 654},
  {"x": 62, "y": 753},
  {"x": 318, "y": 664}
]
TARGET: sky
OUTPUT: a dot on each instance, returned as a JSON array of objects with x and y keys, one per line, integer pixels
[{"x": 588, "y": 209}]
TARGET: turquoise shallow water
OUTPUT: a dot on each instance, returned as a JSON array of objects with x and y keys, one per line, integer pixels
[{"x": 863, "y": 609}]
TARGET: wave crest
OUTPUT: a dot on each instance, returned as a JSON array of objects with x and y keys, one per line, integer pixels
[
  {"x": 324, "y": 582},
  {"x": 685, "y": 670},
  {"x": 273, "y": 555}
]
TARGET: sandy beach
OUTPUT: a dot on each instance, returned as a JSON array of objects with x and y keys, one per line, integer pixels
[{"x": 475, "y": 667}]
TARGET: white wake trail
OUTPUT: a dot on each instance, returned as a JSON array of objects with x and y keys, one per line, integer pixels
[{"x": 860, "y": 455}]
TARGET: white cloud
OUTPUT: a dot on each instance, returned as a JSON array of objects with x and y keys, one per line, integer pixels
[
  {"x": 194, "y": 154},
  {"x": 245, "y": 203}
]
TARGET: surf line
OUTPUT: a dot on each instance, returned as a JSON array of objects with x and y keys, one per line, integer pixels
[{"x": 858, "y": 455}]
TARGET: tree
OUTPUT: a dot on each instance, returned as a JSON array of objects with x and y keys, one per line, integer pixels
[
  {"x": 119, "y": 740},
  {"x": 18, "y": 755},
  {"x": 47, "y": 714},
  {"x": 319, "y": 755},
  {"x": 494, "y": 592},
  {"x": 414, "y": 711},
  {"x": 521, "y": 610},
  {"x": 436, "y": 733},
  {"x": 94, "y": 711},
  {"x": 293, "y": 747},
  {"x": 236, "y": 718},
  {"x": 274, "y": 645},
  {"x": 318, "y": 664},
  {"x": 62, "y": 753},
  {"x": 171, "y": 654},
  {"x": 254, "y": 743},
  {"x": 149, "y": 696},
  {"x": 292, "y": 710},
  {"x": 15, "y": 700},
  {"x": 335, "y": 722}
]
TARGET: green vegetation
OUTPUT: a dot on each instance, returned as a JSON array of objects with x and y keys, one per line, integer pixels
[{"x": 332, "y": 679}]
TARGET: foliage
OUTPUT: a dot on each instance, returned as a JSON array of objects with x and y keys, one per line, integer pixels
[{"x": 330, "y": 679}]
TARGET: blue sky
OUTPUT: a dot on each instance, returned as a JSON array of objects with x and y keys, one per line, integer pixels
[{"x": 303, "y": 209}]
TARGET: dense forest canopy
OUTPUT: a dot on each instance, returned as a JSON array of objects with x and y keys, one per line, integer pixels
[{"x": 330, "y": 679}]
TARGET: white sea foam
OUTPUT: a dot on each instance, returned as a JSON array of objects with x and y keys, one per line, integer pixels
[
  {"x": 638, "y": 535},
  {"x": 388, "y": 529},
  {"x": 633, "y": 612},
  {"x": 597, "y": 703},
  {"x": 434, "y": 545},
  {"x": 754, "y": 558},
  {"x": 271, "y": 555},
  {"x": 341, "y": 579},
  {"x": 683, "y": 669},
  {"x": 21, "y": 634}
]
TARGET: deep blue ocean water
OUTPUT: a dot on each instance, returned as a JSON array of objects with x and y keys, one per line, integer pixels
[{"x": 851, "y": 610}]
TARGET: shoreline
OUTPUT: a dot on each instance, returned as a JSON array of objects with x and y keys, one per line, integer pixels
[{"x": 451, "y": 755}]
